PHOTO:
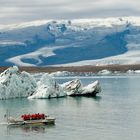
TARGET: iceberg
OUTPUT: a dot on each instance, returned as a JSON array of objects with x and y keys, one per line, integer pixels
[
  {"x": 60, "y": 73},
  {"x": 48, "y": 88},
  {"x": 75, "y": 88},
  {"x": 104, "y": 72},
  {"x": 91, "y": 89},
  {"x": 16, "y": 84}
]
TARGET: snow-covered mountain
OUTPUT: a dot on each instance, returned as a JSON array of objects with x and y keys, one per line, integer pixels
[{"x": 71, "y": 42}]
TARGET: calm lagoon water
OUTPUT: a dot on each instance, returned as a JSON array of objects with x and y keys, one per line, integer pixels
[{"x": 113, "y": 115}]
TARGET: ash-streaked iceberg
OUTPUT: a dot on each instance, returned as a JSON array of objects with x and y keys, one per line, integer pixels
[
  {"x": 75, "y": 88},
  {"x": 16, "y": 84},
  {"x": 48, "y": 88}
]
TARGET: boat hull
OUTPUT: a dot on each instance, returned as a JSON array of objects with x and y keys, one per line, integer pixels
[{"x": 33, "y": 122}]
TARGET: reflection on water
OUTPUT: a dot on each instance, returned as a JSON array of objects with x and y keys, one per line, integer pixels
[
  {"x": 40, "y": 129},
  {"x": 29, "y": 128},
  {"x": 79, "y": 99}
]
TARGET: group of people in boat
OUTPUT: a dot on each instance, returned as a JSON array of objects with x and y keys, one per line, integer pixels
[{"x": 37, "y": 116}]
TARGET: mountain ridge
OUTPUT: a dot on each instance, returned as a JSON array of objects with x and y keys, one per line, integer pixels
[{"x": 70, "y": 42}]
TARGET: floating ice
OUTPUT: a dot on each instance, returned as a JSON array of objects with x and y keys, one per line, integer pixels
[
  {"x": 60, "y": 73},
  {"x": 130, "y": 71},
  {"x": 72, "y": 87},
  {"x": 48, "y": 88},
  {"x": 92, "y": 88},
  {"x": 14, "y": 83},
  {"x": 75, "y": 88},
  {"x": 104, "y": 72}
]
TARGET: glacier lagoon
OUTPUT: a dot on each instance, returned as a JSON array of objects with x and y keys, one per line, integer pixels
[{"x": 113, "y": 114}]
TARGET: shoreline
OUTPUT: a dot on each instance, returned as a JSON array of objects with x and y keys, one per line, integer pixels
[{"x": 77, "y": 69}]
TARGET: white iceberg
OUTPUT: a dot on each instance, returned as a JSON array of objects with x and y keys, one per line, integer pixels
[
  {"x": 104, "y": 72},
  {"x": 75, "y": 88},
  {"x": 60, "y": 73},
  {"x": 47, "y": 88},
  {"x": 14, "y": 84},
  {"x": 137, "y": 71},
  {"x": 130, "y": 71}
]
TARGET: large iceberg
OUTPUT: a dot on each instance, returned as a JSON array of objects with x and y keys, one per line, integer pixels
[
  {"x": 75, "y": 88},
  {"x": 14, "y": 84},
  {"x": 48, "y": 88}
]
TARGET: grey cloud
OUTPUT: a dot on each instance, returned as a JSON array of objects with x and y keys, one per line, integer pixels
[{"x": 13, "y": 11}]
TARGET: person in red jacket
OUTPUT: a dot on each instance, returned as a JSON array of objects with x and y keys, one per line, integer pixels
[
  {"x": 42, "y": 116},
  {"x": 38, "y": 116},
  {"x": 24, "y": 117},
  {"x": 33, "y": 116}
]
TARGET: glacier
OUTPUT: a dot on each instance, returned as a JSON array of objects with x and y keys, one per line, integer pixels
[{"x": 71, "y": 42}]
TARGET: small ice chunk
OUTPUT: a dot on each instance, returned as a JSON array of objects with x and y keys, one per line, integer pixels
[
  {"x": 137, "y": 71},
  {"x": 104, "y": 72}
]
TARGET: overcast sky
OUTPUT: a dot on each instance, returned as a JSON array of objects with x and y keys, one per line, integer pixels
[{"x": 15, "y": 11}]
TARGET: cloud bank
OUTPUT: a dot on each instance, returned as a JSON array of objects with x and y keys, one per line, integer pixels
[{"x": 15, "y": 11}]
